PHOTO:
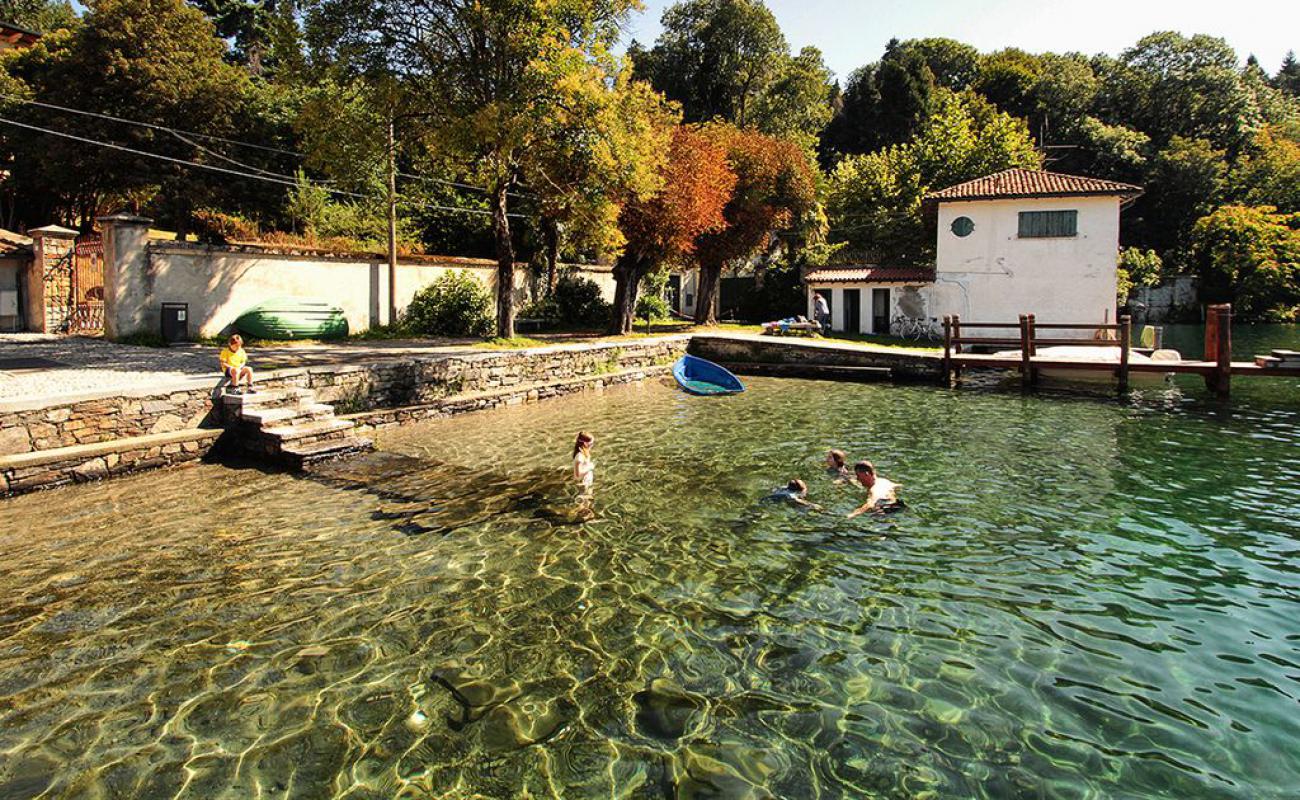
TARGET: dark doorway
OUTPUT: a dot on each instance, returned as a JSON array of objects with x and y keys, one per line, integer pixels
[
  {"x": 675, "y": 293},
  {"x": 880, "y": 311},
  {"x": 853, "y": 310}
]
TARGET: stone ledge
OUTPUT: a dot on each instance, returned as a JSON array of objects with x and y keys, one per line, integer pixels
[{"x": 79, "y": 452}]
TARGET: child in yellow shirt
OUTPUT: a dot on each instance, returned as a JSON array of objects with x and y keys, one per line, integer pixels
[{"x": 234, "y": 363}]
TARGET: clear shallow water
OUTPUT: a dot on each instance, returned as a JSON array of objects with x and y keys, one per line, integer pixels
[{"x": 1086, "y": 599}]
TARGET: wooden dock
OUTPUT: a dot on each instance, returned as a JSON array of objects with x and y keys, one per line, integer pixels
[{"x": 1217, "y": 368}]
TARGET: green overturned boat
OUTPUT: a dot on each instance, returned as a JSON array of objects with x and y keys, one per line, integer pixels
[{"x": 285, "y": 318}]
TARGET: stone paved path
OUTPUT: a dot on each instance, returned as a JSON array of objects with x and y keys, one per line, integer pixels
[{"x": 87, "y": 365}]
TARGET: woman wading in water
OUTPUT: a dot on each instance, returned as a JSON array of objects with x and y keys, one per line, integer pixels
[{"x": 584, "y": 468}]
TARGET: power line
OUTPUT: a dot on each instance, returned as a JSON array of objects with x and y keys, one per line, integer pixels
[
  {"x": 270, "y": 178},
  {"x": 181, "y": 134}
]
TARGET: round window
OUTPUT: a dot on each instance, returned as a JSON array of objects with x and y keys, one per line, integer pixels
[{"x": 963, "y": 226}]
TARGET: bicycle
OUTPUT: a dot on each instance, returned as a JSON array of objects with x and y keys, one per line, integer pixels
[{"x": 915, "y": 328}]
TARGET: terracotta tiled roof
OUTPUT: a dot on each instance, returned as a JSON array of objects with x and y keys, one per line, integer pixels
[
  {"x": 867, "y": 273},
  {"x": 1032, "y": 183},
  {"x": 14, "y": 244}
]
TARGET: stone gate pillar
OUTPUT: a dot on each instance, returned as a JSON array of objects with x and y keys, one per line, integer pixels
[
  {"x": 128, "y": 289},
  {"x": 49, "y": 244}
]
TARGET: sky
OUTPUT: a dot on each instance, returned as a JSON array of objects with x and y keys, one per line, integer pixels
[{"x": 851, "y": 33}]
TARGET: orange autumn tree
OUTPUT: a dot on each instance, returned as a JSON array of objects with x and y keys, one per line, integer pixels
[
  {"x": 697, "y": 184},
  {"x": 776, "y": 190}
]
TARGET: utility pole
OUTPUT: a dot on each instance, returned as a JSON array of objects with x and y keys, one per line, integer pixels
[{"x": 392, "y": 223}]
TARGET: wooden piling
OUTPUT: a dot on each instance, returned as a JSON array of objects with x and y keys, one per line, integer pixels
[
  {"x": 1125, "y": 343},
  {"x": 956, "y": 348},
  {"x": 1026, "y": 353},
  {"x": 947, "y": 350},
  {"x": 1223, "y": 360},
  {"x": 1033, "y": 349}
]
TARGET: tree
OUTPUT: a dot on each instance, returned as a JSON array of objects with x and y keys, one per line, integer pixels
[
  {"x": 1288, "y": 75},
  {"x": 159, "y": 59},
  {"x": 485, "y": 73},
  {"x": 874, "y": 200},
  {"x": 1185, "y": 181},
  {"x": 776, "y": 189},
  {"x": 697, "y": 183},
  {"x": 1136, "y": 268},
  {"x": 884, "y": 104},
  {"x": 1268, "y": 174},
  {"x": 953, "y": 64},
  {"x": 600, "y": 148},
  {"x": 1170, "y": 85},
  {"x": 716, "y": 57},
  {"x": 1250, "y": 255},
  {"x": 796, "y": 104},
  {"x": 45, "y": 16}
]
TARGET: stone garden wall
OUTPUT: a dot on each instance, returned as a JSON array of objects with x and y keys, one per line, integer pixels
[{"x": 902, "y": 364}]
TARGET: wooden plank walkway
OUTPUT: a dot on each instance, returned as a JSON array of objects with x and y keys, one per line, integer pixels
[{"x": 1217, "y": 368}]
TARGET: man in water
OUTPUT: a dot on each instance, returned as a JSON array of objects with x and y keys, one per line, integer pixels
[{"x": 882, "y": 495}]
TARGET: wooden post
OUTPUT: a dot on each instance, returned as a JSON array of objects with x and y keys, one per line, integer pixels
[
  {"x": 1125, "y": 341},
  {"x": 947, "y": 351},
  {"x": 1033, "y": 349},
  {"x": 956, "y": 346},
  {"x": 1223, "y": 361},
  {"x": 1025, "y": 354}
]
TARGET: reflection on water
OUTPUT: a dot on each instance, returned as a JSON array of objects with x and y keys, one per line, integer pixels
[{"x": 1085, "y": 599}]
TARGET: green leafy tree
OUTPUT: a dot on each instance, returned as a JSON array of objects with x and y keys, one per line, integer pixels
[
  {"x": 159, "y": 59},
  {"x": 716, "y": 57},
  {"x": 1186, "y": 179},
  {"x": 1269, "y": 172},
  {"x": 884, "y": 104},
  {"x": 953, "y": 64},
  {"x": 1250, "y": 256},
  {"x": 1136, "y": 268},
  {"x": 481, "y": 76},
  {"x": 1287, "y": 78},
  {"x": 874, "y": 200},
  {"x": 44, "y": 16}
]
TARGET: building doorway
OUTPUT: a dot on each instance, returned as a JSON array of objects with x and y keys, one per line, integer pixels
[
  {"x": 852, "y": 310},
  {"x": 880, "y": 311}
]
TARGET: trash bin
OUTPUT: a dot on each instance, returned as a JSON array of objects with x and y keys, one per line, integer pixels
[{"x": 175, "y": 322}]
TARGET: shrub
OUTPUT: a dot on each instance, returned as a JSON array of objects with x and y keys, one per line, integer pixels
[
  {"x": 651, "y": 304},
  {"x": 453, "y": 305},
  {"x": 579, "y": 302}
]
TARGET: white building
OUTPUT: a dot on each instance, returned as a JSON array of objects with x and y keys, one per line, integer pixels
[{"x": 1015, "y": 242}]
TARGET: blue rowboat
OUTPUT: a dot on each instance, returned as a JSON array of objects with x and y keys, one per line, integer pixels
[{"x": 698, "y": 376}]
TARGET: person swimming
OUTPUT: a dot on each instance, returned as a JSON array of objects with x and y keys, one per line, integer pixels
[
  {"x": 882, "y": 493},
  {"x": 795, "y": 493},
  {"x": 837, "y": 466}
]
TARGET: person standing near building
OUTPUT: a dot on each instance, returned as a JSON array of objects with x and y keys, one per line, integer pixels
[{"x": 821, "y": 310}]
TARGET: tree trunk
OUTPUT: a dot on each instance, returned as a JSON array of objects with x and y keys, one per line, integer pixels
[
  {"x": 627, "y": 280},
  {"x": 505, "y": 262},
  {"x": 392, "y": 224},
  {"x": 551, "y": 236},
  {"x": 705, "y": 298}
]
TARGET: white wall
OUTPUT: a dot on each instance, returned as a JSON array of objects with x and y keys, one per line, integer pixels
[
  {"x": 908, "y": 301},
  {"x": 221, "y": 283},
  {"x": 993, "y": 275}
]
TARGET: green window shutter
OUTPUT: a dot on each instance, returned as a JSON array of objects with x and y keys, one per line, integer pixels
[{"x": 1048, "y": 224}]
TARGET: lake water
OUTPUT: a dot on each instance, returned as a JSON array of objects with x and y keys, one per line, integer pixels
[{"x": 1086, "y": 598}]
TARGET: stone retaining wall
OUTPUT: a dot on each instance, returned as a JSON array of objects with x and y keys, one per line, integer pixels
[
  {"x": 903, "y": 364},
  {"x": 351, "y": 388},
  {"x": 43, "y": 470}
]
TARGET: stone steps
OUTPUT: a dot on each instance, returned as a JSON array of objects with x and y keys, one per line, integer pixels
[
  {"x": 289, "y": 426},
  {"x": 300, "y": 455}
]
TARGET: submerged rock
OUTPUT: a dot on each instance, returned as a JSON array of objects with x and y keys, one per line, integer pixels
[{"x": 667, "y": 711}]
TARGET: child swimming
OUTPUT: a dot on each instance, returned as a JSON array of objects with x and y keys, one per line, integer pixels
[
  {"x": 795, "y": 493},
  {"x": 584, "y": 468},
  {"x": 837, "y": 466}
]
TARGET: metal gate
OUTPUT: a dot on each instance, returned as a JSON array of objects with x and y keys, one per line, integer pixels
[{"x": 74, "y": 289}]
